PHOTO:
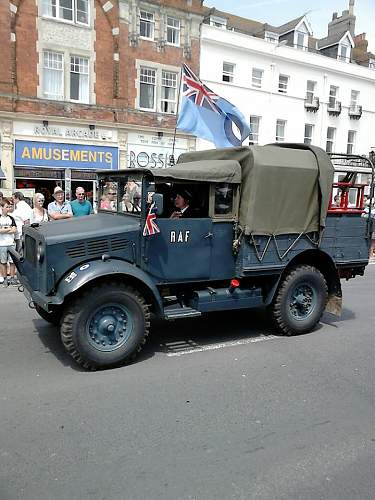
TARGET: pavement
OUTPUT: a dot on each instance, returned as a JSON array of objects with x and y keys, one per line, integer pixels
[{"x": 215, "y": 408}]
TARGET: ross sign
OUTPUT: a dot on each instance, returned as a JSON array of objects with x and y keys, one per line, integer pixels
[
  {"x": 152, "y": 151},
  {"x": 54, "y": 154}
]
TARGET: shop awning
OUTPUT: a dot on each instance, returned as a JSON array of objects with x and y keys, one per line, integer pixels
[{"x": 2, "y": 175}]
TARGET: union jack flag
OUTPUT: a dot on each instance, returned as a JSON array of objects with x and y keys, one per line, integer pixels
[
  {"x": 150, "y": 225},
  {"x": 197, "y": 91}
]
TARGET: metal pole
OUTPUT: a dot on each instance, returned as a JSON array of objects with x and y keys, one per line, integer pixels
[{"x": 171, "y": 158}]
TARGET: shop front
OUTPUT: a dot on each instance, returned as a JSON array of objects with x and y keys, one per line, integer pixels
[{"x": 51, "y": 158}]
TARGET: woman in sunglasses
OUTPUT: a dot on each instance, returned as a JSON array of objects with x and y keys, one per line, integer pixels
[{"x": 39, "y": 213}]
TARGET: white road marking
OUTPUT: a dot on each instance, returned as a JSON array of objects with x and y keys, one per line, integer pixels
[{"x": 222, "y": 345}]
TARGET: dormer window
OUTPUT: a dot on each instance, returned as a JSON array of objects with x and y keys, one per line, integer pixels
[
  {"x": 272, "y": 37},
  {"x": 218, "y": 22},
  {"x": 301, "y": 37},
  {"x": 371, "y": 63},
  {"x": 344, "y": 49}
]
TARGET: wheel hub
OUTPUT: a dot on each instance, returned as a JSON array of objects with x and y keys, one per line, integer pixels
[
  {"x": 109, "y": 327},
  {"x": 303, "y": 299}
]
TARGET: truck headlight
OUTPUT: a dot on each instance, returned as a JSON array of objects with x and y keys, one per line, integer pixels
[{"x": 40, "y": 253}]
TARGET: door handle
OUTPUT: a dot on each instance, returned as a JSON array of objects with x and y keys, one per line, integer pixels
[{"x": 208, "y": 235}]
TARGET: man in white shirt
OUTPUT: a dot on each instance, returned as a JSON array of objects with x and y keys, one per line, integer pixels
[
  {"x": 21, "y": 214},
  {"x": 59, "y": 209}
]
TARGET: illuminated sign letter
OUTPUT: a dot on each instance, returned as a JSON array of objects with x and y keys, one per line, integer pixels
[{"x": 25, "y": 153}]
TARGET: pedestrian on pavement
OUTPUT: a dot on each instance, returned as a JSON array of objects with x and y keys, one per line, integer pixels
[
  {"x": 8, "y": 229},
  {"x": 1, "y": 199},
  {"x": 39, "y": 213},
  {"x": 81, "y": 206},
  {"x": 59, "y": 209},
  {"x": 21, "y": 214}
]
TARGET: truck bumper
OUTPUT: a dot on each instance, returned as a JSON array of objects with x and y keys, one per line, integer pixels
[{"x": 34, "y": 297}]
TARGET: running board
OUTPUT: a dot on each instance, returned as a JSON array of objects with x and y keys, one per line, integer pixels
[{"x": 180, "y": 313}]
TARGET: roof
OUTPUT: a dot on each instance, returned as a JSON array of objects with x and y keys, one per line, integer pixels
[
  {"x": 289, "y": 26},
  {"x": 334, "y": 39},
  {"x": 240, "y": 24},
  {"x": 194, "y": 171}
]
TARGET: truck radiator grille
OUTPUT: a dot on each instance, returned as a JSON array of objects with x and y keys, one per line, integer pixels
[
  {"x": 96, "y": 247},
  {"x": 30, "y": 250}
]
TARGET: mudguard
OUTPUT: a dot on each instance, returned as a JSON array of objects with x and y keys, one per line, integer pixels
[{"x": 85, "y": 273}]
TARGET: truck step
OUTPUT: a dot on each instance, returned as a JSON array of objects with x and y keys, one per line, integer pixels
[{"x": 180, "y": 313}]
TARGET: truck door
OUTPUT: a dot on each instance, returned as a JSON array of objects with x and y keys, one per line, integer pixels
[{"x": 181, "y": 251}]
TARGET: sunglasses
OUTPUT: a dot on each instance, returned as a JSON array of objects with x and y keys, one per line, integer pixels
[{"x": 112, "y": 193}]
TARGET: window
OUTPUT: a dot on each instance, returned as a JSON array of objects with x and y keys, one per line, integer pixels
[
  {"x": 301, "y": 40},
  {"x": 280, "y": 130},
  {"x": 333, "y": 93},
  {"x": 310, "y": 91},
  {"x": 351, "y": 142},
  {"x": 228, "y": 71},
  {"x": 308, "y": 133},
  {"x": 224, "y": 196},
  {"x": 371, "y": 63},
  {"x": 147, "y": 88},
  {"x": 354, "y": 97},
  {"x": 254, "y": 129},
  {"x": 168, "y": 92},
  {"x": 269, "y": 36},
  {"x": 344, "y": 52},
  {"x": 256, "y": 80},
  {"x": 158, "y": 90},
  {"x": 53, "y": 75},
  {"x": 283, "y": 84},
  {"x": 67, "y": 10},
  {"x": 79, "y": 79},
  {"x": 331, "y": 132},
  {"x": 218, "y": 22},
  {"x": 173, "y": 31},
  {"x": 146, "y": 25}
]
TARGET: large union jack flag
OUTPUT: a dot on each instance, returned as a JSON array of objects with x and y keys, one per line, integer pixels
[
  {"x": 197, "y": 91},
  {"x": 150, "y": 225}
]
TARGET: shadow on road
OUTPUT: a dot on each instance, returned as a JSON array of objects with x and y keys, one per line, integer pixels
[{"x": 175, "y": 336}]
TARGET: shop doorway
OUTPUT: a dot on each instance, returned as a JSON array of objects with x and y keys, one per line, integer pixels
[
  {"x": 44, "y": 186},
  {"x": 88, "y": 186}
]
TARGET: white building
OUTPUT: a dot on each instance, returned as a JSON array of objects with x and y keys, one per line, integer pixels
[{"x": 290, "y": 86}]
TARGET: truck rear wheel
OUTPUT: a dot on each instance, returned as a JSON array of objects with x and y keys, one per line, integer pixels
[
  {"x": 106, "y": 326},
  {"x": 299, "y": 301}
]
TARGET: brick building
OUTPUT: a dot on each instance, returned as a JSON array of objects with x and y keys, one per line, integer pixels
[{"x": 88, "y": 84}]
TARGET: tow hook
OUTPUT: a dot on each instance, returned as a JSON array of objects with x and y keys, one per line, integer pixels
[
  {"x": 32, "y": 304},
  {"x": 21, "y": 288}
]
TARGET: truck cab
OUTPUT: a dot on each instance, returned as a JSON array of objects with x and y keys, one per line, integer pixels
[{"x": 258, "y": 226}]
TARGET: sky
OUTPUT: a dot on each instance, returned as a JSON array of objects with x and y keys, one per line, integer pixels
[{"x": 319, "y": 13}]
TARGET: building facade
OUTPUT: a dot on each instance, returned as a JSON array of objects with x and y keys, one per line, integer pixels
[
  {"x": 87, "y": 84},
  {"x": 290, "y": 86}
]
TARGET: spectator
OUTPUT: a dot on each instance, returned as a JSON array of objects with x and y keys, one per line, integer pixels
[
  {"x": 59, "y": 209},
  {"x": 39, "y": 213},
  {"x": 21, "y": 214},
  {"x": 8, "y": 229},
  {"x": 109, "y": 199},
  {"x": 1, "y": 199},
  {"x": 81, "y": 206}
]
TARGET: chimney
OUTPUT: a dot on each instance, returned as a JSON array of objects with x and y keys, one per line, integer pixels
[{"x": 351, "y": 7}]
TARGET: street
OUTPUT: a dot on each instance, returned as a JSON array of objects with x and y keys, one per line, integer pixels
[{"x": 214, "y": 408}]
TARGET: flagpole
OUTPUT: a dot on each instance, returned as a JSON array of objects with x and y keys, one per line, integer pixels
[{"x": 171, "y": 159}]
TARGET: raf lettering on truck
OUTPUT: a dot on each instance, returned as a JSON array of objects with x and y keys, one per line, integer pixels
[{"x": 179, "y": 236}]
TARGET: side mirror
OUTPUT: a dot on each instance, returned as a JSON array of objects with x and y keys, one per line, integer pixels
[{"x": 158, "y": 199}]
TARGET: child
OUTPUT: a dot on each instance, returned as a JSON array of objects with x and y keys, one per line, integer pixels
[{"x": 8, "y": 230}]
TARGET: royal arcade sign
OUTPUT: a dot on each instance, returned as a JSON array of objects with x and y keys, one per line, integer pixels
[{"x": 63, "y": 155}]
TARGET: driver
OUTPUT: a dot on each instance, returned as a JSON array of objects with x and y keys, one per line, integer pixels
[{"x": 182, "y": 203}]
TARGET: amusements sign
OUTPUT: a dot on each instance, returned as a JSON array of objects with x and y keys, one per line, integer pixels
[{"x": 53, "y": 154}]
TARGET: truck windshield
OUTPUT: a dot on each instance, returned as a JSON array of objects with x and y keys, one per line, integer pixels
[{"x": 122, "y": 196}]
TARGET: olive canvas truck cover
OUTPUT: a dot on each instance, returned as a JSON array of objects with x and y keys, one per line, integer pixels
[{"x": 285, "y": 188}]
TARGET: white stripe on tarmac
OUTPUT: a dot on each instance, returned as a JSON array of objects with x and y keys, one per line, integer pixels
[{"x": 213, "y": 347}]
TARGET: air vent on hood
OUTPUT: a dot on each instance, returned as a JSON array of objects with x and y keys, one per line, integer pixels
[
  {"x": 77, "y": 251},
  {"x": 95, "y": 247},
  {"x": 118, "y": 244}
]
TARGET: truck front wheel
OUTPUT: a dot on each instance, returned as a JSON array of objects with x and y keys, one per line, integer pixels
[
  {"x": 106, "y": 326},
  {"x": 299, "y": 301}
]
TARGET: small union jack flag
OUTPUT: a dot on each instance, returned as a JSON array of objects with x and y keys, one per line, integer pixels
[
  {"x": 150, "y": 225},
  {"x": 197, "y": 92}
]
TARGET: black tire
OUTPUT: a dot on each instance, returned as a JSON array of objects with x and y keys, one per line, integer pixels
[
  {"x": 86, "y": 323},
  {"x": 299, "y": 301},
  {"x": 53, "y": 317}
]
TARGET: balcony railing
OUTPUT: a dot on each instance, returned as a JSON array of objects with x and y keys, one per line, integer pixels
[
  {"x": 355, "y": 111},
  {"x": 334, "y": 108},
  {"x": 312, "y": 103}
]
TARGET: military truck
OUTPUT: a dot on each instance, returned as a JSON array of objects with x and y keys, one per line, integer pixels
[{"x": 263, "y": 230}]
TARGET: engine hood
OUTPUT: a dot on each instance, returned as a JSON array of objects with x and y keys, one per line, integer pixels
[{"x": 88, "y": 227}]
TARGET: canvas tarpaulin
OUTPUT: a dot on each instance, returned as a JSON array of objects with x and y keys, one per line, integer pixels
[
  {"x": 227, "y": 171},
  {"x": 284, "y": 190}
]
